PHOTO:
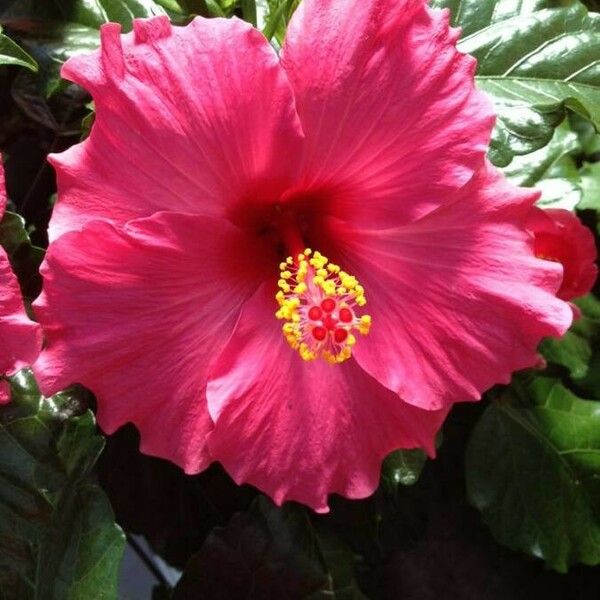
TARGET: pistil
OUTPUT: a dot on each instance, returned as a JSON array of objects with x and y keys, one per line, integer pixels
[{"x": 319, "y": 304}]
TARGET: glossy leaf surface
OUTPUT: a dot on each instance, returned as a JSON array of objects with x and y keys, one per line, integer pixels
[
  {"x": 25, "y": 258},
  {"x": 13, "y": 54},
  {"x": 268, "y": 552},
  {"x": 552, "y": 170},
  {"x": 535, "y": 60},
  {"x": 575, "y": 349},
  {"x": 403, "y": 467},
  {"x": 54, "y": 30},
  {"x": 533, "y": 470},
  {"x": 590, "y": 181},
  {"x": 57, "y": 531}
]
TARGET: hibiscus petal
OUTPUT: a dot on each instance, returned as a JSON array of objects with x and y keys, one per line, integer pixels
[
  {"x": 191, "y": 118},
  {"x": 302, "y": 430},
  {"x": 137, "y": 313},
  {"x": 458, "y": 299},
  {"x": 20, "y": 338},
  {"x": 388, "y": 106}
]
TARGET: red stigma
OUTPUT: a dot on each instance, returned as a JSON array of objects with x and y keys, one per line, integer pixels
[
  {"x": 345, "y": 315},
  {"x": 340, "y": 335},
  {"x": 329, "y": 322},
  {"x": 319, "y": 333},
  {"x": 328, "y": 305},
  {"x": 315, "y": 313}
]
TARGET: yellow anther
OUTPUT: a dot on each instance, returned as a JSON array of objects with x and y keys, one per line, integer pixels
[
  {"x": 300, "y": 288},
  {"x": 348, "y": 281},
  {"x": 318, "y": 261},
  {"x": 329, "y": 287},
  {"x": 329, "y": 357},
  {"x": 345, "y": 354},
  {"x": 364, "y": 325}
]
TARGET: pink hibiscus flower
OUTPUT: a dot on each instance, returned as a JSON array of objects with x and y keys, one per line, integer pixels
[
  {"x": 20, "y": 338},
  {"x": 561, "y": 237},
  {"x": 210, "y": 162}
]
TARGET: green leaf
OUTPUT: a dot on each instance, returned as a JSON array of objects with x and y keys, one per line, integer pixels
[
  {"x": 588, "y": 137},
  {"x": 561, "y": 187},
  {"x": 574, "y": 349},
  {"x": 551, "y": 169},
  {"x": 93, "y": 14},
  {"x": 214, "y": 9},
  {"x": 88, "y": 120},
  {"x": 249, "y": 11},
  {"x": 533, "y": 470},
  {"x": 25, "y": 258},
  {"x": 176, "y": 7},
  {"x": 339, "y": 561},
  {"x": 403, "y": 467},
  {"x": 57, "y": 531},
  {"x": 571, "y": 351},
  {"x": 535, "y": 60},
  {"x": 590, "y": 183},
  {"x": 55, "y": 30},
  {"x": 267, "y": 552},
  {"x": 278, "y": 15},
  {"x": 52, "y": 42},
  {"x": 228, "y": 5},
  {"x": 12, "y": 54},
  {"x": 589, "y": 328}
]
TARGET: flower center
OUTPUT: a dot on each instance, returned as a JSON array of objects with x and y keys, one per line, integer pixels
[{"x": 318, "y": 302}]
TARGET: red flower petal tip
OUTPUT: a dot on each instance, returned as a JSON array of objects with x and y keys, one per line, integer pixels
[{"x": 560, "y": 236}]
